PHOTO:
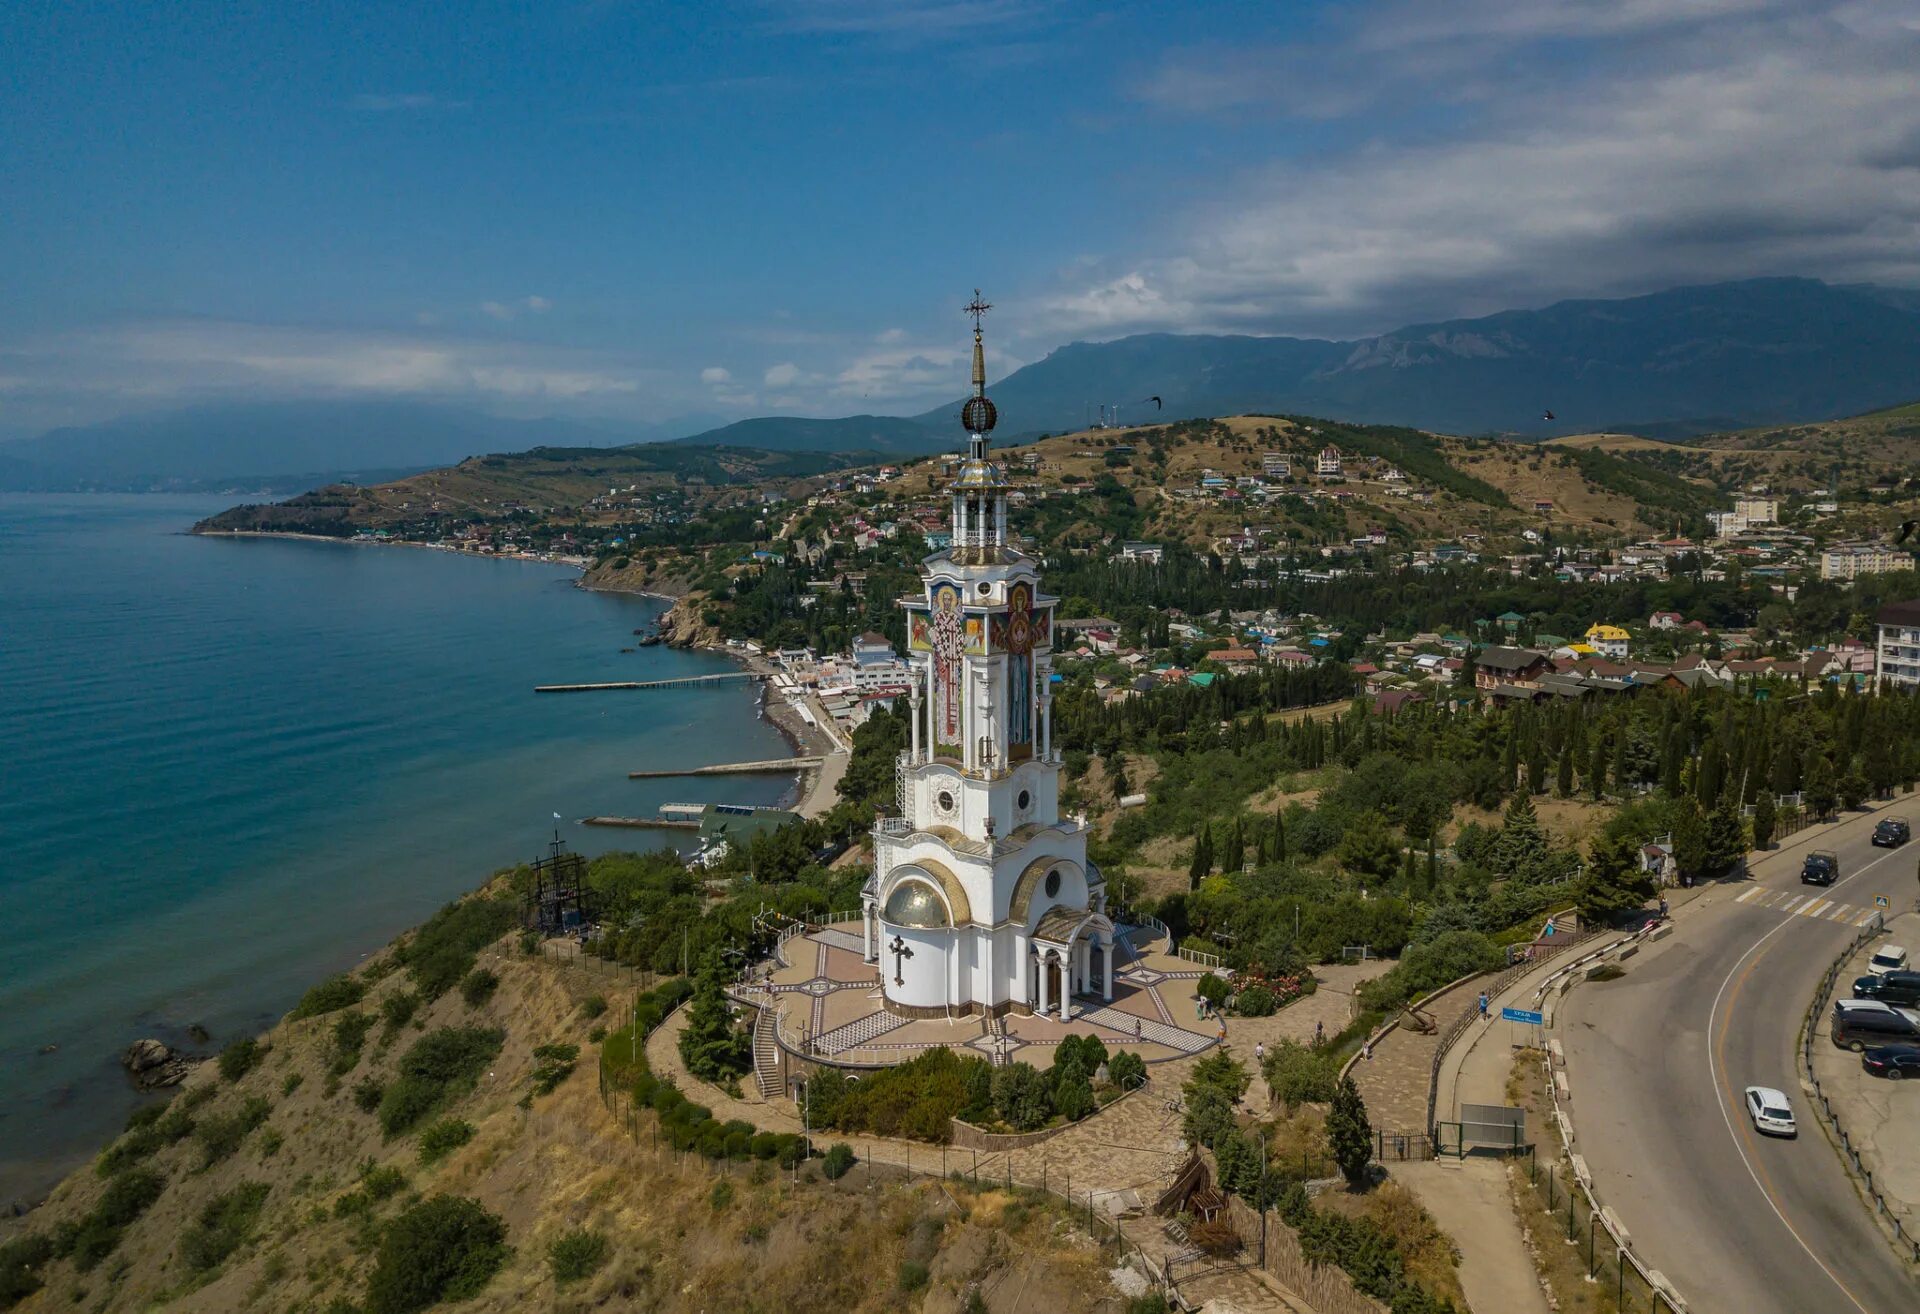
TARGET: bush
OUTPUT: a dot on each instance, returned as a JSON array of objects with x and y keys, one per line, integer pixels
[
  {"x": 593, "y": 1006},
  {"x": 1427, "y": 967},
  {"x": 1126, "y": 1069},
  {"x": 220, "y": 1136},
  {"x": 20, "y": 1262},
  {"x": 912, "y": 1276},
  {"x": 1213, "y": 989},
  {"x": 398, "y": 1008},
  {"x": 444, "y": 1248},
  {"x": 1255, "y": 1001},
  {"x": 443, "y": 1138},
  {"x": 349, "y": 1038},
  {"x": 838, "y": 1161},
  {"x": 439, "y": 1066},
  {"x": 98, "y": 1232},
  {"x": 330, "y": 996},
  {"x": 225, "y": 1223},
  {"x": 367, "y": 1094},
  {"x": 240, "y": 1058},
  {"x": 1297, "y": 1074},
  {"x": 918, "y": 1098},
  {"x": 553, "y": 1064},
  {"x": 576, "y": 1255},
  {"x": 478, "y": 987},
  {"x": 441, "y": 952},
  {"x": 1215, "y": 1236}
]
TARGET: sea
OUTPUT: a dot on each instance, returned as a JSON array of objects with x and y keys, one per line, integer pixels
[{"x": 229, "y": 767}]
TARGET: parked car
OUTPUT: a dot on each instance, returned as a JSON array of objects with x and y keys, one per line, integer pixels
[
  {"x": 1893, "y": 1062},
  {"x": 1888, "y": 958},
  {"x": 1863, "y": 1024},
  {"x": 1892, "y": 832},
  {"x": 1820, "y": 868},
  {"x": 1901, "y": 989},
  {"x": 1770, "y": 1111}
]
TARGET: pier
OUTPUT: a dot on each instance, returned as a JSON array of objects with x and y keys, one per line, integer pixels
[
  {"x": 773, "y": 766},
  {"x": 642, "y": 823},
  {"x": 678, "y": 682}
]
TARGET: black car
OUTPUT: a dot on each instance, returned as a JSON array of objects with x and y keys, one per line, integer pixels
[
  {"x": 1892, "y": 1061},
  {"x": 1901, "y": 989},
  {"x": 1892, "y": 832},
  {"x": 1820, "y": 868}
]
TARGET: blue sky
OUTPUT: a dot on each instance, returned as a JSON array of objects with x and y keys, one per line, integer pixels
[{"x": 643, "y": 210}]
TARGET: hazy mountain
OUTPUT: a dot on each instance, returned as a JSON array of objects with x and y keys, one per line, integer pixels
[
  {"x": 1688, "y": 360},
  {"x": 291, "y": 444},
  {"x": 889, "y": 434}
]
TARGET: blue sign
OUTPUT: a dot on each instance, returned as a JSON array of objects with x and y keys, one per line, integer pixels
[{"x": 1521, "y": 1015}]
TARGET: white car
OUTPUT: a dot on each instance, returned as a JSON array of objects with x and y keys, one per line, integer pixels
[
  {"x": 1888, "y": 958},
  {"x": 1770, "y": 1111}
]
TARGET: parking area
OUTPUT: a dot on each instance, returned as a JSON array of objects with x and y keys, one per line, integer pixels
[{"x": 1882, "y": 1117}]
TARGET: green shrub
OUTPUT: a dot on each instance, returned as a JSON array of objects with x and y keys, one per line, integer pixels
[
  {"x": 553, "y": 1064},
  {"x": 398, "y": 1008},
  {"x": 349, "y": 1038},
  {"x": 443, "y": 1138},
  {"x": 918, "y": 1098},
  {"x": 367, "y": 1094},
  {"x": 1213, "y": 989},
  {"x": 912, "y": 1276},
  {"x": 441, "y": 952},
  {"x": 1297, "y": 1074},
  {"x": 219, "y": 1136},
  {"x": 1126, "y": 1069},
  {"x": 594, "y": 1006},
  {"x": 1425, "y": 967},
  {"x": 20, "y": 1262},
  {"x": 97, "y": 1234},
  {"x": 330, "y": 996},
  {"x": 225, "y": 1223},
  {"x": 240, "y": 1058},
  {"x": 1255, "y": 1001},
  {"x": 291, "y": 1084},
  {"x": 444, "y": 1248},
  {"x": 838, "y": 1162},
  {"x": 576, "y": 1255},
  {"x": 441, "y": 1065},
  {"x": 478, "y": 987}
]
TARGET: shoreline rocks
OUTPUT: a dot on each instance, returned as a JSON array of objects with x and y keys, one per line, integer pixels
[{"x": 154, "y": 1064}]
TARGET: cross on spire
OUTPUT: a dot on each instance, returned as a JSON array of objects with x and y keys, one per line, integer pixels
[{"x": 977, "y": 308}]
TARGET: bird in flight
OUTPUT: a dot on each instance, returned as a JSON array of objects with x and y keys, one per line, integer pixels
[
  {"x": 1906, "y": 531},
  {"x": 1547, "y": 416}
]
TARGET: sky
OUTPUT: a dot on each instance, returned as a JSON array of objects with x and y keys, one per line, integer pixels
[{"x": 640, "y": 211}]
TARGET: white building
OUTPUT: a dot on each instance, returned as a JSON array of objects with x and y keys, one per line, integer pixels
[
  {"x": 1150, "y": 553},
  {"x": 982, "y": 898},
  {"x": 1896, "y": 652},
  {"x": 1328, "y": 466},
  {"x": 1275, "y": 465}
]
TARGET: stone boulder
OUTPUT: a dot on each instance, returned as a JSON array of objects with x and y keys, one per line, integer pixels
[{"x": 154, "y": 1064}]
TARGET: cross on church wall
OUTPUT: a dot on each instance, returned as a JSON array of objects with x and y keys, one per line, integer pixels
[{"x": 900, "y": 953}]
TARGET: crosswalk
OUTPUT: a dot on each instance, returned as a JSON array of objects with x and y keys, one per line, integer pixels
[{"x": 1819, "y": 907}]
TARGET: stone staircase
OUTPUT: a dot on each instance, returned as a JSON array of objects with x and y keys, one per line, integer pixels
[{"x": 766, "y": 1055}]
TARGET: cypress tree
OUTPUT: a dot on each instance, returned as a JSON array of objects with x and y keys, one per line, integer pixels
[
  {"x": 1563, "y": 773},
  {"x": 1349, "y": 1133},
  {"x": 1597, "y": 769}
]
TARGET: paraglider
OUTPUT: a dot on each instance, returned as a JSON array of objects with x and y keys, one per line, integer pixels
[
  {"x": 1906, "y": 531},
  {"x": 1547, "y": 416}
]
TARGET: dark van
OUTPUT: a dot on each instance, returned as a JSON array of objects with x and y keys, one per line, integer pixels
[
  {"x": 1863, "y": 1024},
  {"x": 1901, "y": 989}
]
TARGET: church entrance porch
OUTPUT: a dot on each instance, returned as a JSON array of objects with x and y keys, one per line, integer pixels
[
  {"x": 1070, "y": 955},
  {"x": 830, "y": 1008}
]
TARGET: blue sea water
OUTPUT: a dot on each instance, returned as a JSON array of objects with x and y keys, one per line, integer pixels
[{"x": 229, "y": 767}]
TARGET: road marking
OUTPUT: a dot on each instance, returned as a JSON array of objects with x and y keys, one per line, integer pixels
[
  {"x": 1866, "y": 915},
  {"x": 1719, "y": 1094},
  {"x": 1815, "y": 909},
  {"x": 1748, "y": 895},
  {"x": 1792, "y": 902}
]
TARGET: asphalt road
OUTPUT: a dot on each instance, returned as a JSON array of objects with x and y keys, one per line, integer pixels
[{"x": 1659, "y": 1062}]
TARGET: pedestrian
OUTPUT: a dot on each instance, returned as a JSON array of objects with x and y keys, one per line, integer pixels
[
  {"x": 1319, "y": 1033},
  {"x": 1366, "y": 1049},
  {"x": 1260, "y": 1051},
  {"x": 1136, "y": 1028},
  {"x": 1483, "y": 1005},
  {"x": 1663, "y": 906}
]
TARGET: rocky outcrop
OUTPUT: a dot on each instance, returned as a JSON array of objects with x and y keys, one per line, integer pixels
[{"x": 153, "y": 1064}]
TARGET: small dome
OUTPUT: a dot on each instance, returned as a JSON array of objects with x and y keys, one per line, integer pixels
[
  {"x": 914, "y": 903},
  {"x": 978, "y": 415}
]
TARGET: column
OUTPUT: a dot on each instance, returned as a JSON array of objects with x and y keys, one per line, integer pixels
[
  {"x": 866, "y": 933},
  {"x": 1046, "y": 714},
  {"x": 1041, "y": 962},
  {"x": 1107, "y": 992},
  {"x": 913, "y": 701},
  {"x": 1066, "y": 991},
  {"x": 1000, "y": 519}
]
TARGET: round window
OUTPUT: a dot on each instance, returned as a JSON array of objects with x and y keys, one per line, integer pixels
[
  {"x": 1025, "y": 801},
  {"x": 1053, "y": 882},
  {"x": 986, "y": 587},
  {"x": 945, "y": 800}
]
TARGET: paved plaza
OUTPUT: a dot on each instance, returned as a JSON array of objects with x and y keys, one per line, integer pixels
[{"x": 830, "y": 1008}]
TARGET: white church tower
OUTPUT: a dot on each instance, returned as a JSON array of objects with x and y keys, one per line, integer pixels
[{"x": 982, "y": 898}]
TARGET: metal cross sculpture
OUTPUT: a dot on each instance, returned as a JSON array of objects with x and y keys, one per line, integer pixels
[{"x": 900, "y": 952}]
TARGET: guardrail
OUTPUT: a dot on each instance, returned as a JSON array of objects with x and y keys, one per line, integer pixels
[{"x": 1901, "y": 1236}]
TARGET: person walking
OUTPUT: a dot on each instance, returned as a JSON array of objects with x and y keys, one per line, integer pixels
[
  {"x": 1483, "y": 1006},
  {"x": 1260, "y": 1051},
  {"x": 1319, "y": 1033},
  {"x": 1366, "y": 1049}
]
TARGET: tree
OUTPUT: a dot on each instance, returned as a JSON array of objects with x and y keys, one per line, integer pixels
[
  {"x": 1881, "y": 773},
  {"x": 1368, "y": 847},
  {"x": 1690, "y": 838},
  {"x": 1597, "y": 769},
  {"x": 1614, "y": 881},
  {"x": 1766, "y": 819},
  {"x": 1521, "y": 843},
  {"x": 1563, "y": 774},
  {"x": 1853, "y": 789},
  {"x": 1726, "y": 839},
  {"x": 1117, "y": 777},
  {"x": 447, "y": 1248},
  {"x": 714, "y": 1047},
  {"x": 1202, "y": 864},
  {"x": 1349, "y": 1133},
  {"x": 1234, "y": 857},
  {"x": 1819, "y": 789}
]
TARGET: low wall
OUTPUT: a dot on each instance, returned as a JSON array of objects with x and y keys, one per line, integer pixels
[
  {"x": 1275, "y": 1247},
  {"x": 966, "y": 1136}
]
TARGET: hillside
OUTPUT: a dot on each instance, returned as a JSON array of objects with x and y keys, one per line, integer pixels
[{"x": 276, "y": 1190}]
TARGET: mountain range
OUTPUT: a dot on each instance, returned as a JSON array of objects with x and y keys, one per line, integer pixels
[{"x": 1671, "y": 364}]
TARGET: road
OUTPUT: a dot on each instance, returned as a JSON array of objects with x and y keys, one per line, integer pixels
[{"x": 1660, "y": 1059}]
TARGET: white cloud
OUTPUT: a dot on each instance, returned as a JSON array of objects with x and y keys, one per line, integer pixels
[
  {"x": 783, "y": 375},
  {"x": 496, "y": 310},
  {"x": 537, "y": 305},
  {"x": 1671, "y": 143},
  {"x": 508, "y": 311},
  {"x": 714, "y": 375},
  {"x": 891, "y": 335}
]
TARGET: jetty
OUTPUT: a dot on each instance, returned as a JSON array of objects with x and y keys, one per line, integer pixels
[
  {"x": 678, "y": 682},
  {"x": 642, "y": 823},
  {"x": 772, "y": 766}
]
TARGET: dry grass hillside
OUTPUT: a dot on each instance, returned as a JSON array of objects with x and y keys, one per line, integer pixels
[{"x": 284, "y": 1191}]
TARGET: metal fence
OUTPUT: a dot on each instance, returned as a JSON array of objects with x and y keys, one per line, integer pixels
[
  {"x": 1569, "y": 1216},
  {"x": 1902, "y": 1235}
]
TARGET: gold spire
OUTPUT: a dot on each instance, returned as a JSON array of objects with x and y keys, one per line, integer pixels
[{"x": 977, "y": 309}]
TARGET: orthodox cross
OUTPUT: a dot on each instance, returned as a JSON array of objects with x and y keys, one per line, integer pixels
[
  {"x": 900, "y": 951},
  {"x": 978, "y": 308}
]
